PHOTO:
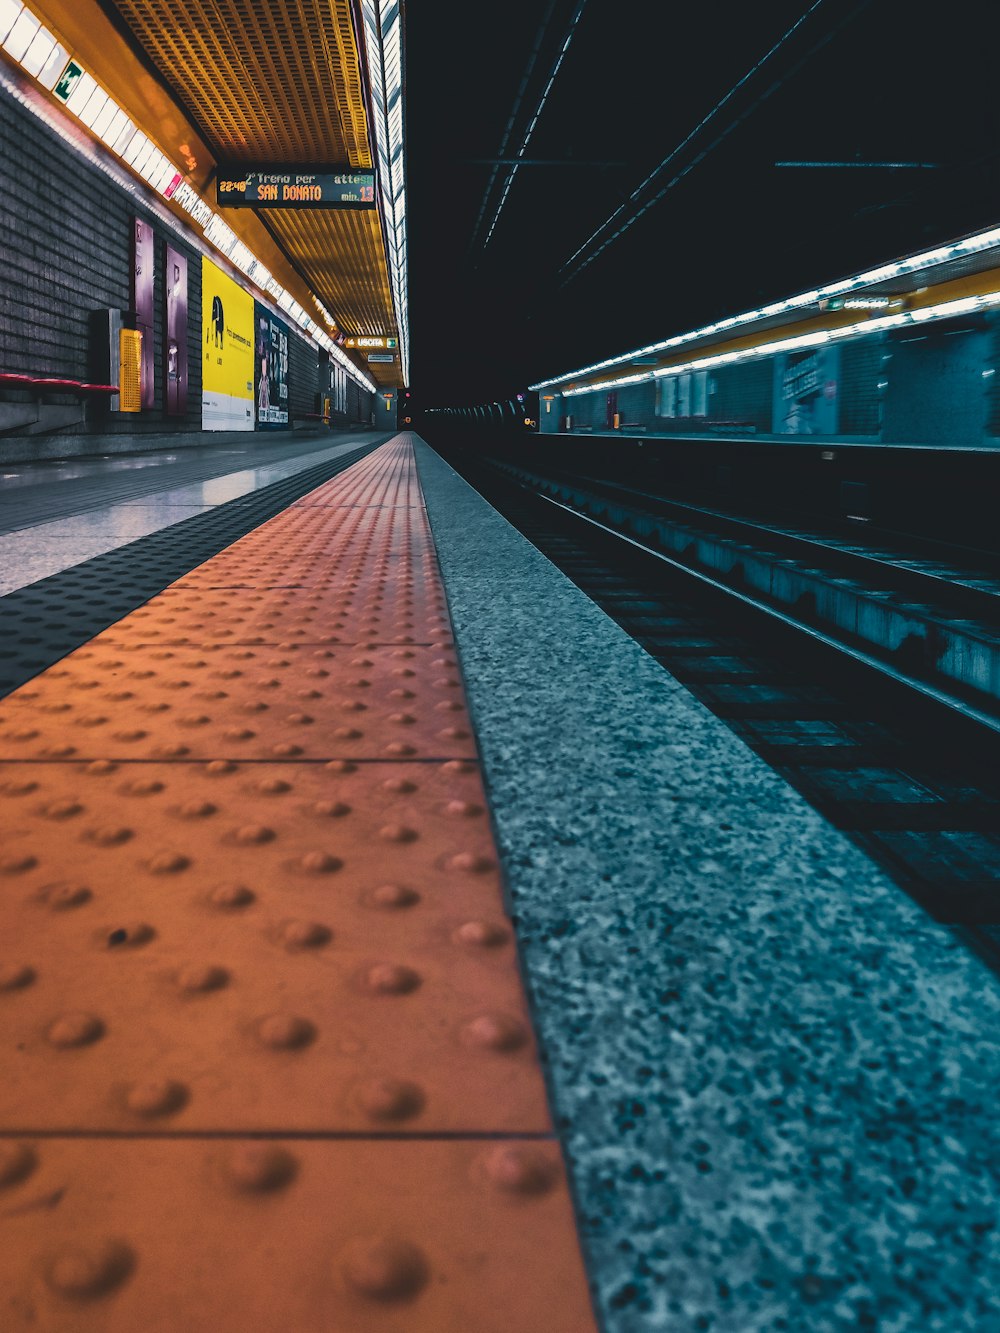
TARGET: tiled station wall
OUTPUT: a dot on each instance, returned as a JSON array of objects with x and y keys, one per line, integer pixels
[
  {"x": 304, "y": 375},
  {"x": 743, "y": 393},
  {"x": 65, "y": 235}
]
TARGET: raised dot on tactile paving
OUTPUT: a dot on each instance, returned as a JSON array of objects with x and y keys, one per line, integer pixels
[
  {"x": 495, "y": 1032},
  {"x": 110, "y": 835},
  {"x": 273, "y": 786},
  {"x": 17, "y": 1161},
  {"x": 383, "y": 1268},
  {"x": 520, "y": 1169},
  {"x": 231, "y": 896},
  {"x": 285, "y": 1032},
  {"x": 15, "y": 976},
  {"x": 63, "y": 896},
  {"x": 305, "y": 934},
  {"x": 129, "y": 935},
  {"x": 331, "y": 809},
  {"x": 286, "y": 749},
  {"x": 197, "y": 809},
  {"x": 154, "y": 1097},
  {"x": 458, "y": 809},
  {"x": 168, "y": 863},
  {"x": 392, "y": 896},
  {"x": 253, "y": 834},
  {"x": 390, "y": 979},
  {"x": 397, "y": 833},
  {"x": 89, "y": 1271},
  {"x": 391, "y": 1099},
  {"x": 17, "y": 865},
  {"x": 200, "y": 978},
  {"x": 71, "y": 1030},
  {"x": 469, "y": 863},
  {"x": 173, "y": 750},
  {"x": 62, "y": 809},
  {"x": 260, "y": 1167},
  {"x": 220, "y": 767},
  {"x": 319, "y": 863},
  {"x": 480, "y": 934}
]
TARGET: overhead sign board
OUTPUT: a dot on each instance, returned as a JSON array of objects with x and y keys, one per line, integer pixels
[
  {"x": 382, "y": 357},
  {"x": 370, "y": 341},
  {"x": 240, "y": 186}
]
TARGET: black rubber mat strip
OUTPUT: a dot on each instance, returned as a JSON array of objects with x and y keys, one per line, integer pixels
[{"x": 42, "y": 622}]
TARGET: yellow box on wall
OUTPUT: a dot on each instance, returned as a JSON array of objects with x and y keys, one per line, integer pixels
[{"x": 130, "y": 378}]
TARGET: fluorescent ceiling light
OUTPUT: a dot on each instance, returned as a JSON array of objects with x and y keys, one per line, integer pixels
[{"x": 965, "y": 305}]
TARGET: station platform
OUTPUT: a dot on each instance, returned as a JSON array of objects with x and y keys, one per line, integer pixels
[{"x": 390, "y": 943}]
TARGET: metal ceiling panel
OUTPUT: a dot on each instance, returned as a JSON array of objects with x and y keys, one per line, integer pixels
[{"x": 265, "y": 81}]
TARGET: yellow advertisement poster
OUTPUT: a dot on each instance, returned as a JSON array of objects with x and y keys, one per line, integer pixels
[{"x": 227, "y": 398}]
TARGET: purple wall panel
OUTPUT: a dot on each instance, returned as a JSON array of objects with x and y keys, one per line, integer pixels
[{"x": 175, "y": 351}]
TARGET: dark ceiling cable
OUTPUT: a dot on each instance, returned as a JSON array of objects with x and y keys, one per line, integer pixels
[
  {"x": 571, "y": 269},
  {"x": 512, "y": 118},
  {"x": 556, "y": 65}
]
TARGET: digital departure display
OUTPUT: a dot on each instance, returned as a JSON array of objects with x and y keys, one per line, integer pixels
[{"x": 327, "y": 187}]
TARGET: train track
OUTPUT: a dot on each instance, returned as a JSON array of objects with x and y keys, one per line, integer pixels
[{"x": 908, "y": 776}]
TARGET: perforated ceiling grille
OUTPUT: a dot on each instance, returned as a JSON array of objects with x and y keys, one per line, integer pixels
[
  {"x": 341, "y": 253},
  {"x": 264, "y": 80}
]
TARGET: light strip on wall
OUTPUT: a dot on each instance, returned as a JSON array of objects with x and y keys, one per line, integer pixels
[
  {"x": 26, "y": 40},
  {"x": 384, "y": 47},
  {"x": 926, "y": 259},
  {"x": 966, "y": 305}
]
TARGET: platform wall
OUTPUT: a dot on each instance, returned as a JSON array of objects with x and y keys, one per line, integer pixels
[
  {"x": 65, "y": 233},
  {"x": 65, "y": 237}
]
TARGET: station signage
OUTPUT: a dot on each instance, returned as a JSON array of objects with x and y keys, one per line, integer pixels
[
  {"x": 382, "y": 358},
  {"x": 377, "y": 343},
  {"x": 863, "y": 303},
  {"x": 240, "y": 186}
]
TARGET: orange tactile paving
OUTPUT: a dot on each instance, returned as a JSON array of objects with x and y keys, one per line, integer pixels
[
  {"x": 274, "y": 945},
  {"x": 122, "y": 701},
  {"x": 189, "y": 1236},
  {"x": 248, "y": 888}
]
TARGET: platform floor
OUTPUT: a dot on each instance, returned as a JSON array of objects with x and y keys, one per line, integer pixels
[
  {"x": 55, "y": 514},
  {"x": 773, "y": 1076},
  {"x": 268, "y": 1057}
]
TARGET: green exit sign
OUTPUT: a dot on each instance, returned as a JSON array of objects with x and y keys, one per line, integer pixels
[{"x": 68, "y": 80}]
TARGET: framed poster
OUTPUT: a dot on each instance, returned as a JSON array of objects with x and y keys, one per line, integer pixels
[
  {"x": 270, "y": 357},
  {"x": 227, "y": 388}
]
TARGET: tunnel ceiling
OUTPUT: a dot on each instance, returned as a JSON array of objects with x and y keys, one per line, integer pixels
[
  {"x": 496, "y": 302},
  {"x": 280, "y": 83}
]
